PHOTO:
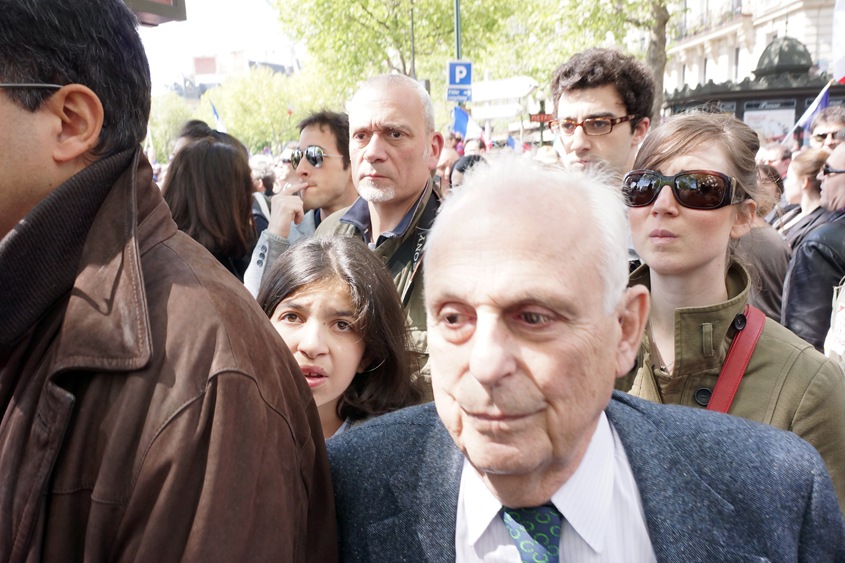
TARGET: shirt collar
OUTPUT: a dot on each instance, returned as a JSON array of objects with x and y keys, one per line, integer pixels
[
  {"x": 359, "y": 216},
  {"x": 584, "y": 500}
]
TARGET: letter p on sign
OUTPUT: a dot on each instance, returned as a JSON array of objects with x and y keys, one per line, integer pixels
[{"x": 460, "y": 73}]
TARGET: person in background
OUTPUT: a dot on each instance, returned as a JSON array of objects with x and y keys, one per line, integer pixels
[
  {"x": 803, "y": 190},
  {"x": 474, "y": 147},
  {"x": 148, "y": 411},
  {"x": 818, "y": 263},
  {"x": 263, "y": 178},
  {"x": 448, "y": 158},
  {"x": 693, "y": 193},
  {"x": 334, "y": 304},
  {"x": 324, "y": 185},
  {"x": 776, "y": 155},
  {"x": 527, "y": 454},
  {"x": 825, "y": 127},
  {"x": 764, "y": 250},
  {"x": 285, "y": 172},
  {"x": 209, "y": 192},
  {"x": 462, "y": 166}
]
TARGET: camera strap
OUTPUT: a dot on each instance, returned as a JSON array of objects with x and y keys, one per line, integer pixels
[{"x": 749, "y": 326}]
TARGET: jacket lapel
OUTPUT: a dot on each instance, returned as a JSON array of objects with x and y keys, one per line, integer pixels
[
  {"x": 427, "y": 496},
  {"x": 686, "y": 519},
  {"x": 106, "y": 324}
]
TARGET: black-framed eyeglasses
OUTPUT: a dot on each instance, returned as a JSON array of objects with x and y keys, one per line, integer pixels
[
  {"x": 29, "y": 85},
  {"x": 313, "y": 154},
  {"x": 591, "y": 126},
  {"x": 694, "y": 189},
  {"x": 828, "y": 170}
]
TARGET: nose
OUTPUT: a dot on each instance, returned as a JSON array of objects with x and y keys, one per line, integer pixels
[
  {"x": 492, "y": 357},
  {"x": 375, "y": 149},
  {"x": 303, "y": 170},
  {"x": 580, "y": 141},
  {"x": 312, "y": 339},
  {"x": 665, "y": 202}
]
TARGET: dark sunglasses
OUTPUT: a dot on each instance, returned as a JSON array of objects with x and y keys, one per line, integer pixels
[
  {"x": 313, "y": 154},
  {"x": 822, "y": 137},
  {"x": 828, "y": 170},
  {"x": 695, "y": 189}
]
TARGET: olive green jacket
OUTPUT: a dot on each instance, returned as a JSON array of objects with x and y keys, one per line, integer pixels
[
  {"x": 409, "y": 285},
  {"x": 787, "y": 384}
]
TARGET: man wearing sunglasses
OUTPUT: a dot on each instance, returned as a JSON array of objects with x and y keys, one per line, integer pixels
[
  {"x": 602, "y": 102},
  {"x": 394, "y": 147},
  {"x": 148, "y": 409},
  {"x": 325, "y": 186},
  {"x": 818, "y": 263},
  {"x": 824, "y": 127}
]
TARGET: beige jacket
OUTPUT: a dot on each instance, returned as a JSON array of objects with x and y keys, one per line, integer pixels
[{"x": 787, "y": 383}]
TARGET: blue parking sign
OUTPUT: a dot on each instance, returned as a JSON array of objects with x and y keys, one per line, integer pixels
[{"x": 460, "y": 73}]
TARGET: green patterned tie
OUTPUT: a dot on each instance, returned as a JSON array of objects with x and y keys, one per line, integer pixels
[{"x": 535, "y": 531}]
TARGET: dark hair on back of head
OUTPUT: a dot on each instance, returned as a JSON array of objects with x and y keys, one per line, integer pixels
[
  {"x": 386, "y": 386},
  {"x": 597, "y": 67},
  {"x": 90, "y": 42},
  {"x": 196, "y": 129},
  {"x": 338, "y": 123},
  {"x": 209, "y": 190}
]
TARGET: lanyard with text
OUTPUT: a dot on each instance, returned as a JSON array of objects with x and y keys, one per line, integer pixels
[
  {"x": 749, "y": 325},
  {"x": 412, "y": 248}
]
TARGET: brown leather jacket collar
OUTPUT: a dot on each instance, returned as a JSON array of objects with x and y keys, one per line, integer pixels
[{"x": 108, "y": 294}]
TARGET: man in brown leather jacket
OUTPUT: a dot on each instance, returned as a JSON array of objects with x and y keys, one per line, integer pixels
[{"x": 148, "y": 410}]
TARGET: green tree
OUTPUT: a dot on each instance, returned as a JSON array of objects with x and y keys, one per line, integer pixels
[{"x": 169, "y": 111}]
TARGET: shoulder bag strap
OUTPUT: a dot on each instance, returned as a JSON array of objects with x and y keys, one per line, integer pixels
[{"x": 737, "y": 360}]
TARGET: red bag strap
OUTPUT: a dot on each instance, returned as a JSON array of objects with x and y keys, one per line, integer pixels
[{"x": 737, "y": 360}]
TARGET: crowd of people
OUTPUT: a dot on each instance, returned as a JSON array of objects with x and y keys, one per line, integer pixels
[{"x": 391, "y": 344}]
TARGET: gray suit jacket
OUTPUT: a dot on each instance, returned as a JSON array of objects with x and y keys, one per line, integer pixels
[{"x": 714, "y": 487}]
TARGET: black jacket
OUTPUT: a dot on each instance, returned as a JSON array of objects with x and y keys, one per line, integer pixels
[{"x": 818, "y": 264}]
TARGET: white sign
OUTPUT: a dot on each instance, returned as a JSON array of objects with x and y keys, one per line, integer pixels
[{"x": 516, "y": 87}]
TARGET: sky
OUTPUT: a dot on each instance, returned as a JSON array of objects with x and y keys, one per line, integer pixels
[{"x": 212, "y": 27}]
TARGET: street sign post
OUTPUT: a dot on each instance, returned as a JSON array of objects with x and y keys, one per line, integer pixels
[{"x": 460, "y": 81}]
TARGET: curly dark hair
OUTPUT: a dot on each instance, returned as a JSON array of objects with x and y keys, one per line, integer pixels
[
  {"x": 386, "y": 386},
  {"x": 596, "y": 67},
  {"x": 90, "y": 42}
]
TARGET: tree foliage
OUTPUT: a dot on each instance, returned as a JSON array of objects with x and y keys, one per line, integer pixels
[
  {"x": 169, "y": 111},
  {"x": 358, "y": 39}
]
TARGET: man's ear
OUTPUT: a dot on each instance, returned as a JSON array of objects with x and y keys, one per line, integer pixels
[
  {"x": 640, "y": 131},
  {"x": 633, "y": 316},
  {"x": 80, "y": 120},
  {"x": 436, "y": 145}
]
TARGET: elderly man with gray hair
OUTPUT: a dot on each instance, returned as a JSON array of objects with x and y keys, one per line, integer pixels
[{"x": 527, "y": 453}]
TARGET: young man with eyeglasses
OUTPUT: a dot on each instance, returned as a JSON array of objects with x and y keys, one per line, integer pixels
[
  {"x": 818, "y": 263},
  {"x": 137, "y": 421},
  {"x": 602, "y": 102},
  {"x": 323, "y": 166},
  {"x": 825, "y": 126}
]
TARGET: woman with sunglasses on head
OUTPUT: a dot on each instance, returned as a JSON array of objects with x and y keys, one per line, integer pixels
[
  {"x": 325, "y": 186},
  {"x": 336, "y": 307},
  {"x": 693, "y": 194}
]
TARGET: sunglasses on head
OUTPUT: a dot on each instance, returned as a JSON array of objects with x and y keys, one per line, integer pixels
[
  {"x": 694, "y": 189},
  {"x": 313, "y": 154}
]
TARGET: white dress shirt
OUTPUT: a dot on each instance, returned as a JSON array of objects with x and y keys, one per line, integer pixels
[{"x": 603, "y": 518}]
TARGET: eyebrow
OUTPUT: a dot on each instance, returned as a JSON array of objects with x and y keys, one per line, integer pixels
[
  {"x": 298, "y": 307},
  {"x": 595, "y": 116}
]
